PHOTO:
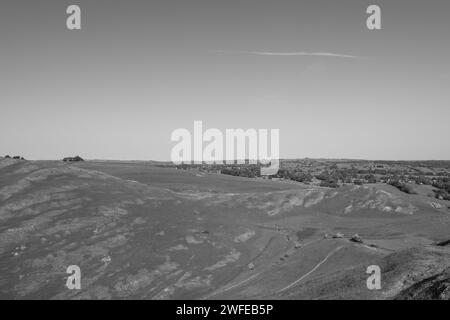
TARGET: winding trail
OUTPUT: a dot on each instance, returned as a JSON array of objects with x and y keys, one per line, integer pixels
[
  {"x": 256, "y": 274},
  {"x": 231, "y": 287},
  {"x": 239, "y": 283},
  {"x": 312, "y": 270}
]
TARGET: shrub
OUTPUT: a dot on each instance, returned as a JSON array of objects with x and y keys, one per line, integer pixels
[{"x": 402, "y": 187}]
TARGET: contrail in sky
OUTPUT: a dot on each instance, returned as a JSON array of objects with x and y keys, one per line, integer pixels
[{"x": 295, "y": 53}]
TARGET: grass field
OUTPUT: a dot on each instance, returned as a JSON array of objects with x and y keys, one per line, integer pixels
[{"x": 141, "y": 231}]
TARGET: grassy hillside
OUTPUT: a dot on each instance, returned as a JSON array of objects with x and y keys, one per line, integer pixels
[{"x": 141, "y": 231}]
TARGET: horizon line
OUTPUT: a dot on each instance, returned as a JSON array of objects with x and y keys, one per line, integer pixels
[{"x": 218, "y": 162}]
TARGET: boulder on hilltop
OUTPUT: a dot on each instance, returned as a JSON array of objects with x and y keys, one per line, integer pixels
[{"x": 356, "y": 238}]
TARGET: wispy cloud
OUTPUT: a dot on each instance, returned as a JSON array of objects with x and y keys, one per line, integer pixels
[{"x": 295, "y": 54}]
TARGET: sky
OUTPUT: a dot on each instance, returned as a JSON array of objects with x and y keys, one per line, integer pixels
[{"x": 138, "y": 70}]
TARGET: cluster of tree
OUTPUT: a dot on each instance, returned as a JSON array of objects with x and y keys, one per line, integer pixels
[
  {"x": 370, "y": 178},
  {"x": 443, "y": 188},
  {"x": 294, "y": 174},
  {"x": 15, "y": 157},
  {"x": 333, "y": 176},
  {"x": 402, "y": 186},
  {"x": 442, "y": 183},
  {"x": 424, "y": 164},
  {"x": 185, "y": 166},
  {"x": 248, "y": 171},
  {"x": 329, "y": 183},
  {"x": 369, "y": 171},
  {"x": 252, "y": 171},
  {"x": 72, "y": 159},
  {"x": 300, "y": 176},
  {"x": 441, "y": 194},
  {"x": 420, "y": 180},
  {"x": 329, "y": 179}
]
